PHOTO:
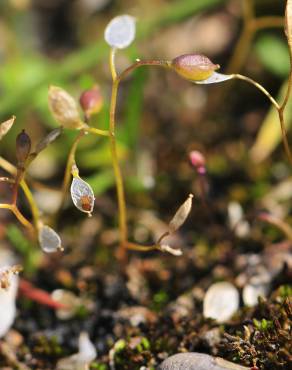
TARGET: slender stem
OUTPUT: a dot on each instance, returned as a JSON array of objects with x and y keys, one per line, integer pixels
[
  {"x": 67, "y": 176},
  {"x": 267, "y": 22},
  {"x": 97, "y": 131},
  {"x": 116, "y": 167},
  {"x": 284, "y": 134},
  {"x": 7, "y": 166},
  {"x": 279, "y": 108},
  {"x": 259, "y": 87},
  {"x": 6, "y": 179},
  {"x": 31, "y": 201},
  {"x": 140, "y": 248},
  {"x": 141, "y": 63},
  {"x": 13, "y": 208},
  {"x": 283, "y": 105},
  {"x": 112, "y": 63}
]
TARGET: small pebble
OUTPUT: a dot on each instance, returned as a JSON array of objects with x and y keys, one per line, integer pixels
[
  {"x": 198, "y": 361},
  {"x": 221, "y": 301}
]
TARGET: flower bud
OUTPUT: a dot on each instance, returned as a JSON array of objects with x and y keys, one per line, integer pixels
[
  {"x": 91, "y": 101},
  {"x": 23, "y": 147},
  {"x": 64, "y": 108},
  {"x": 198, "y": 161},
  {"x": 194, "y": 67}
]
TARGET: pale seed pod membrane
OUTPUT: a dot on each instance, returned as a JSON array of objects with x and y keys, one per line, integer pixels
[
  {"x": 181, "y": 215},
  {"x": 52, "y": 136},
  {"x": 120, "y": 32},
  {"x": 82, "y": 195},
  {"x": 215, "y": 78},
  {"x": 6, "y": 126},
  {"x": 64, "y": 108},
  {"x": 49, "y": 240}
]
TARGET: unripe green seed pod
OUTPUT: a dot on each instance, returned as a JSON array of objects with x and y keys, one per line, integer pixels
[
  {"x": 23, "y": 147},
  {"x": 194, "y": 67},
  {"x": 64, "y": 108}
]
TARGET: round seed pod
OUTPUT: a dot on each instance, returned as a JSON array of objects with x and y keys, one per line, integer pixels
[
  {"x": 193, "y": 67},
  {"x": 120, "y": 32},
  {"x": 49, "y": 240},
  {"x": 82, "y": 195},
  {"x": 91, "y": 101}
]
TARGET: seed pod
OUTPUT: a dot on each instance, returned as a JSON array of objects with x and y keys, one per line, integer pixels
[
  {"x": 49, "y": 240},
  {"x": 194, "y": 67},
  {"x": 120, "y": 32},
  {"x": 181, "y": 215},
  {"x": 23, "y": 146},
  {"x": 82, "y": 195},
  {"x": 47, "y": 140},
  {"x": 91, "y": 101},
  {"x": 6, "y": 126},
  {"x": 64, "y": 108}
]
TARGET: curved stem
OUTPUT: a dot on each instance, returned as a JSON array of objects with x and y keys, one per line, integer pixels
[
  {"x": 97, "y": 131},
  {"x": 140, "y": 248},
  {"x": 31, "y": 201},
  {"x": 141, "y": 63},
  {"x": 24, "y": 221},
  {"x": 279, "y": 108},
  {"x": 7, "y": 166},
  {"x": 67, "y": 176},
  {"x": 258, "y": 86}
]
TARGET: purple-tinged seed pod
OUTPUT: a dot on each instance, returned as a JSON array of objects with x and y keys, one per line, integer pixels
[
  {"x": 91, "y": 101},
  {"x": 23, "y": 146},
  {"x": 194, "y": 67}
]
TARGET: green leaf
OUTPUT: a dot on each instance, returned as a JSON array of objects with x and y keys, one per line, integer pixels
[
  {"x": 269, "y": 135},
  {"x": 273, "y": 53}
]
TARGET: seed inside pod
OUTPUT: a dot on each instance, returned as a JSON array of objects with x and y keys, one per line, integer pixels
[{"x": 82, "y": 195}]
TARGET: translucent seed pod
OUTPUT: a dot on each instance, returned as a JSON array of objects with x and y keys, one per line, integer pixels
[
  {"x": 120, "y": 32},
  {"x": 6, "y": 126},
  {"x": 82, "y": 195},
  {"x": 49, "y": 240},
  {"x": 181, "y": 215}
]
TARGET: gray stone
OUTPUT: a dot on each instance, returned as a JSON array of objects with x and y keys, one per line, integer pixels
[{"x": 198, "y": 361}]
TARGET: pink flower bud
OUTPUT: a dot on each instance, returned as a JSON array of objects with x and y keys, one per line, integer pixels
[
  {"x": 197, "y": 159},
  {"x": 194, "y": 67},
  {"x": 91, "y": 101}
]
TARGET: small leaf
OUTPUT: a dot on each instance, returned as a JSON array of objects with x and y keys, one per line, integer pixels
[
  {"x": 82, "y": 195},
  {"x": 52, "y": 136},
  {"x": 120, "y": 32},
  {"x": 6, "y": 126},
  {"x": 49, "y": 240},
  {"x": 181, "y": 215},
  {"x": 214, "y": 79}
]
